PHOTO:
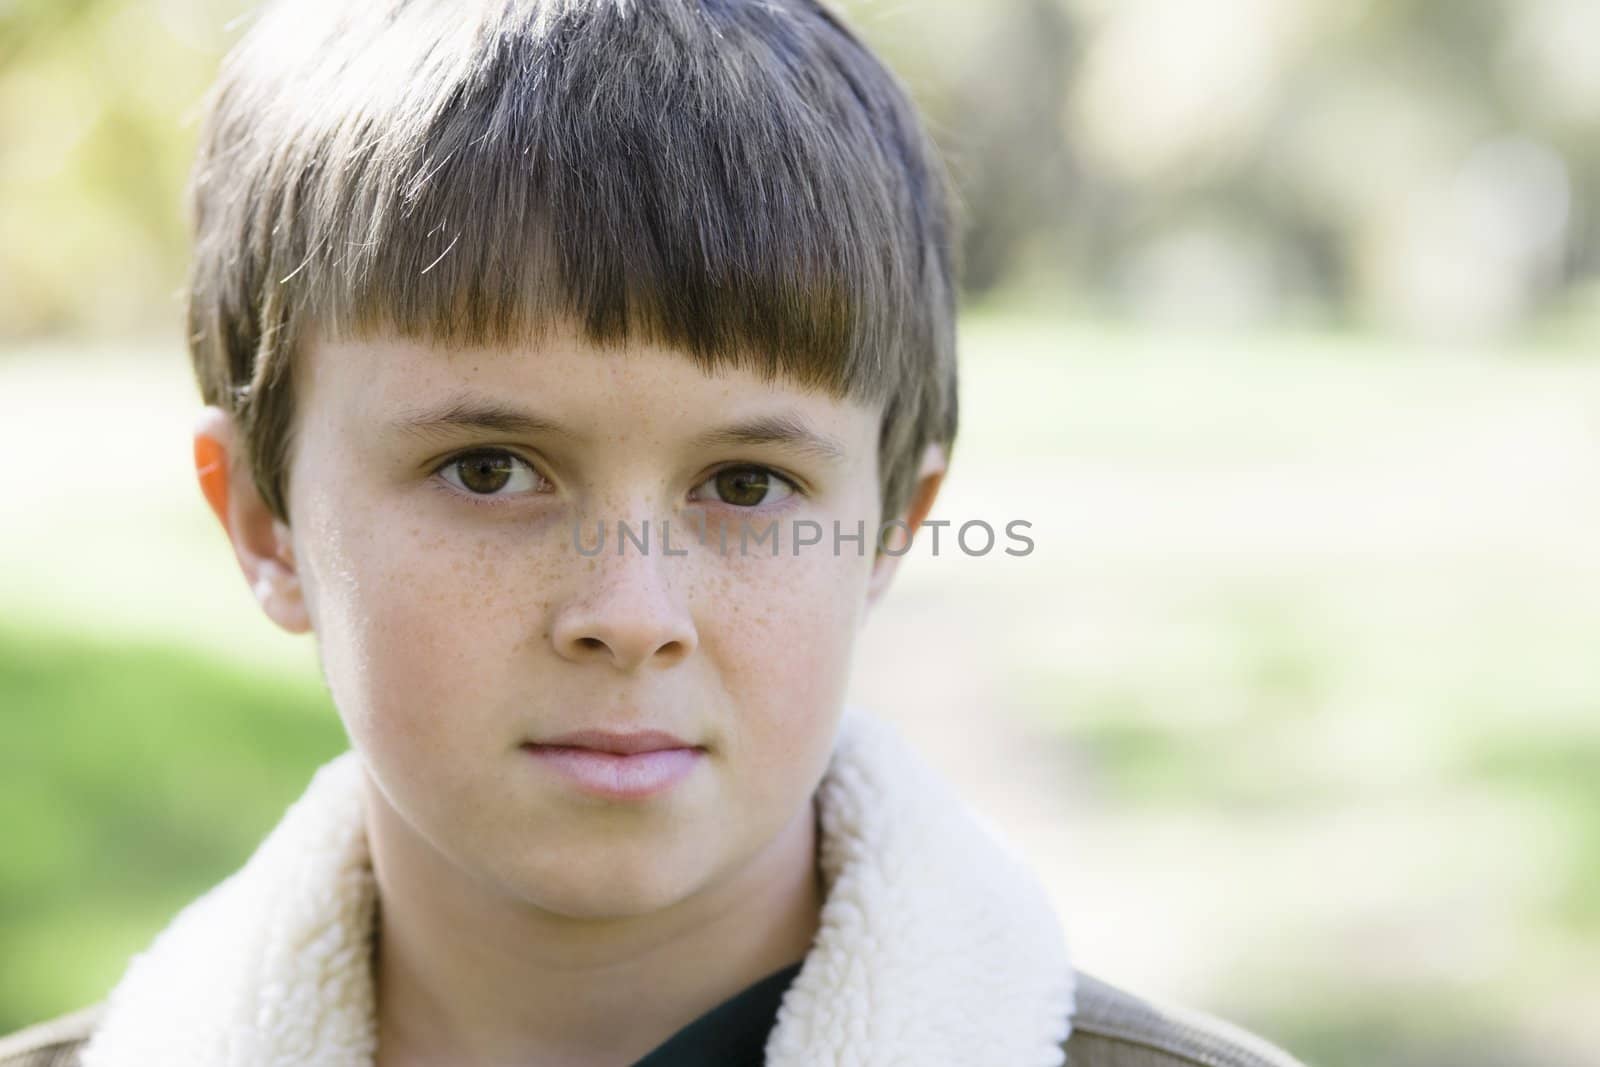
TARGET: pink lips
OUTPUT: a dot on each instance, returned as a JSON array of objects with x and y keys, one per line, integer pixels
[{"x": 619, "y": 766}]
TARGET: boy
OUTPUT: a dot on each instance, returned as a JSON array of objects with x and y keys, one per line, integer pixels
[{"x": 474, "y": 284}]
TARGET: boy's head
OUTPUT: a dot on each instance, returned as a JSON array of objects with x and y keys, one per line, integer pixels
[
  {"x": 469, "y": 276},
  {"x": 741, "y": 181}
]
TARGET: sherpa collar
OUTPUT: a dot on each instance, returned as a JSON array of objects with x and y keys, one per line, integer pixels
[{"x": 936, "y": 945}]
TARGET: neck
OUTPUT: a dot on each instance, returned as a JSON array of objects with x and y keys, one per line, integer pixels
[{"x": 465, "y": 975}]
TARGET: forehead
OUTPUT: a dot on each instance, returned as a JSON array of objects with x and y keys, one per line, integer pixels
[{"x": 577, "y": 389}]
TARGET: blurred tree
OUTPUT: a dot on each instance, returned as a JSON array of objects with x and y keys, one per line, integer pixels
[{"x": 26, "y": 25}]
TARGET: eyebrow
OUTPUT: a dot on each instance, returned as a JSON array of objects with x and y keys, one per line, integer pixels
[
  {"x": 463, "y": 414},
  {"x": 782, "y": 429}
]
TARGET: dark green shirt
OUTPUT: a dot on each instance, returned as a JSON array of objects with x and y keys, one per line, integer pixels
[{"x": 733, "y": 1034}]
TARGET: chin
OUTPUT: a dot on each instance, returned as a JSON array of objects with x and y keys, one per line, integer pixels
[
  {"x": 605, "y": 896},
  {"x": 607, "y": 885}
]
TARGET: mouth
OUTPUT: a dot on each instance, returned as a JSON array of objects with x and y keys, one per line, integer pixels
[
  {"x": 616, "y": 744},
  {"x": 618, "y": 767}
]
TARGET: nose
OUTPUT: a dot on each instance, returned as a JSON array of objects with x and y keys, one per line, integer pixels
[{"x": 626, "y": 611}]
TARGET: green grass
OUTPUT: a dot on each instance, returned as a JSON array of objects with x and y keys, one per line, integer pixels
[
  {"x": 1560, "y": 772},
  {"x": 133, "y": 777}
]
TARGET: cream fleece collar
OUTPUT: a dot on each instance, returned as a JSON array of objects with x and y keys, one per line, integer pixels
[{"x": 936, "y": 946}]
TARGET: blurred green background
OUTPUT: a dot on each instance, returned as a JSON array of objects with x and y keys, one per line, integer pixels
[{"x": 1280, "y": 331}]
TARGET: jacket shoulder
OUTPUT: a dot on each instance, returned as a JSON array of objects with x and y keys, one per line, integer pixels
[
  {"x": 55, "y": 1043},
  {"x": 1114, "y": 1028}
]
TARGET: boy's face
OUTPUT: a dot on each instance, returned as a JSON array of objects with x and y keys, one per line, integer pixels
[{"x": 457, "y": 622}]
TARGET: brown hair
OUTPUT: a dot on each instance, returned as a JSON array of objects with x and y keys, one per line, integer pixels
[{"x": 738, "y": 179}]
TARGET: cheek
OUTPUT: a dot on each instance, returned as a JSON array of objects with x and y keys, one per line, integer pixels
[
  {"x": 782, "y": 642},
  {"x": 411, "y": 621}
]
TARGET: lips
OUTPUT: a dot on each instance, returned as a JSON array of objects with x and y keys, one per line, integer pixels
[{"x": 618, "y": 767}]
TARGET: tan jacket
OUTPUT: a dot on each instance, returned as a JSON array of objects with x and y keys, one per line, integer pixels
[
  {"x": 1112, "y": 1028},
  {"x": 936, "y": 947}
]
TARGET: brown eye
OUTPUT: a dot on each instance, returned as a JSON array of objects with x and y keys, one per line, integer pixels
[
  {"x": 487, "y": 473},
  {"x": 749, "y": 487}
]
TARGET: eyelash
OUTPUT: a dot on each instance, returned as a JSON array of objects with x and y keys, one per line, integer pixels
[
  {"x": 483, "y": 501},
  {"x": 479, "y": 499}
]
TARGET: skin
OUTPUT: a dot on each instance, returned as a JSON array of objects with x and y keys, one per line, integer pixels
[{"x": 520, "y": 920}]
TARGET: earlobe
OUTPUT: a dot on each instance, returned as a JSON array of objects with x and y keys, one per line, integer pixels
[
  {"x": 283, "y": 600},
  {"x": 261, "y": 543}
]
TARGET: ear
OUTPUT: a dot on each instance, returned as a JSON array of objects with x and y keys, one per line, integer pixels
[
  {"x": 261, "y": 541},
  {"x": 930, "y": 475}
]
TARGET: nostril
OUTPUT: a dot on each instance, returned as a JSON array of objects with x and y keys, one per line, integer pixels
[{"x": 591, "y": 642}]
